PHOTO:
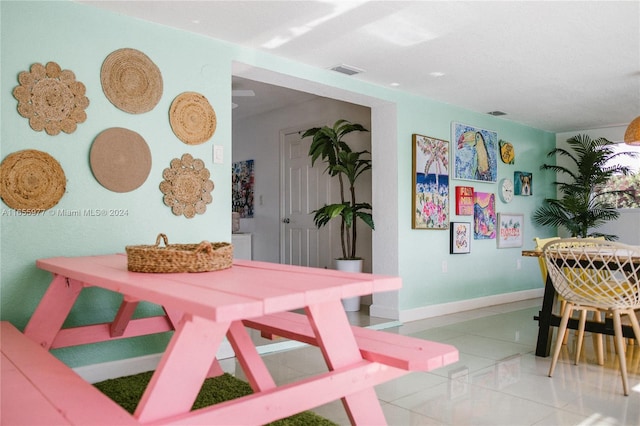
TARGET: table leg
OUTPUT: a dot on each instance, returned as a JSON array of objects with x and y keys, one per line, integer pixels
[
  {"x": 173, "y": 388},
  {"x": 250, "y": 360},
  {"x": 339, "y": 348},
  {"x": 53, "y": 309},
  {"x": 123, "y": 316},
  {"x": 545, "y": 331}
]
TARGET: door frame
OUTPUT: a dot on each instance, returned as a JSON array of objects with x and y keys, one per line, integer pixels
[{"x": 384, "y": 150}]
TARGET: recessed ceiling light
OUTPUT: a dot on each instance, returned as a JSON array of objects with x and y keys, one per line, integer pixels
[
  {"x": 395, "y": 84},
  {"x": 496, "y": 113},
  {"x": 347, "y": 69},
  {"x": 436, "y": 74}
]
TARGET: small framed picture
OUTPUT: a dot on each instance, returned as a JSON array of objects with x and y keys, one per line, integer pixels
[
  {"x": 460, "y": 237},
  {"x": 523, "y": 183},
  {"x": 510, "y": 230}
]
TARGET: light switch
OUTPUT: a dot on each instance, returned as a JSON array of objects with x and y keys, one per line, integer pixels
[{"x": 218, "y": 154}]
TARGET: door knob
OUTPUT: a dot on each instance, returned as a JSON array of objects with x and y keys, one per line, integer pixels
[{"x": 286, "y": 220}]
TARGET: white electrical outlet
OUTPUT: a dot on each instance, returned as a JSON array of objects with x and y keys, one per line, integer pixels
[
  {"x": 218, "y": 154},
  {"x": 518, "y": 264},
  {"x": 444, "y": 266}
]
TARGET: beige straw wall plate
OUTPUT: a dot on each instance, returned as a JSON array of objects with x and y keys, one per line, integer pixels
[
  {"x": 131, "y": 81},
  {"x": 120, "y": 159},
  {"x": 186, "y": 186},
  {"x": 31, "y": 180},
  {"x": 192, "y": 118},
  {"x": 51, "y": 98}
]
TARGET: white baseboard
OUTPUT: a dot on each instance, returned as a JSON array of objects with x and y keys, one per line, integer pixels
[{"x": 467, "y": 305}]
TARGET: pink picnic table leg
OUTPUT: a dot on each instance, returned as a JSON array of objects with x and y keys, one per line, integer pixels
[
  {"x": 123, "y": 316},
  {"x": 339, "y": 348},
  {"x": 182, "y": 369},
  {"x": 53, "y": 309},
  {"x": 250, "y": 360},
  {"x": 175, "y": 316}
]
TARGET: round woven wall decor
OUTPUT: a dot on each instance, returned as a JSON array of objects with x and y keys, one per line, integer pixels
[
  {"x": 31, "y": 180},
  {"x": 186, "y": 186},
  {"x": 192, "y": 118},
  {"x": 120, "y": 159},
  {"x": 51, "y": 98},
  {"x": 131, "y": 81}
]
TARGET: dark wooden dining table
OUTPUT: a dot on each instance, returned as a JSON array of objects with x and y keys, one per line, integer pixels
[{"x": 547, "y": 319}]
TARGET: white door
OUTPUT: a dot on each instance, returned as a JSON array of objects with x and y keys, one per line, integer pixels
[{"x": 304, "y": 189}]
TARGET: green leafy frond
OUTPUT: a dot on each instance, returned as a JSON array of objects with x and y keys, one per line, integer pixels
[
  {"x": 341, "y": 161},
  {"x": 584, "y": 204}
]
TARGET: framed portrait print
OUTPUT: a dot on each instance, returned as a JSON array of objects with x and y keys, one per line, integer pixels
[
  {"x": 510, "y": 230},
  {"x": 523, "y": 183},
  {"x": 430, "y": 200},
  {"x": 475, "y": 153},
  {"x": 460, "y": 237}
]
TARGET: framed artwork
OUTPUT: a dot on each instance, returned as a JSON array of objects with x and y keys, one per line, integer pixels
[
  {"x": 523, "y": 183},
  {"x": 475, "y": 153},
  {"x": 242, "y": 181},
  {"x": 430, "y": 200},
  {"x": 484, "y": 216},
  {"x": 510, "y": 231},
  {"x": 460, "y": 237},
  {"x": 464, "y": 200}
]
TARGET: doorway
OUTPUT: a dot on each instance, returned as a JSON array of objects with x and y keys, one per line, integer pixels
[{"x": 383, "y": 121}]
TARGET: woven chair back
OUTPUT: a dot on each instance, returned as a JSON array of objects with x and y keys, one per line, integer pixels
[{"x": 594, "y": 272}]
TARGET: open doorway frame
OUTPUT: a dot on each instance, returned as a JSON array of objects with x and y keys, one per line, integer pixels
[{"x": 384, "y": 179}]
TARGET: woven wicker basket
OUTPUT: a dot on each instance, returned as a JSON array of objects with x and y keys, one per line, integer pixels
[{"x": 201, "y": 257}]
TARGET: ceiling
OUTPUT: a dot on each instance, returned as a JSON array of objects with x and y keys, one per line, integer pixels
[{"x": 557, "y": 66}]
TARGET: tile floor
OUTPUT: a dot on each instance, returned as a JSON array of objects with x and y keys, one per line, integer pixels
[{"x": 497, "y": 381}]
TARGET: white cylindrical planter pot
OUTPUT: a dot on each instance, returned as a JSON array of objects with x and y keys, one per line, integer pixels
[{"x": 350, "y": 304}]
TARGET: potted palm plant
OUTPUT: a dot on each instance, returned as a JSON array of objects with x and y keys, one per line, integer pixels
[
  {"x": 346, "y": 165},
  {"x": 586, "y": 202}
]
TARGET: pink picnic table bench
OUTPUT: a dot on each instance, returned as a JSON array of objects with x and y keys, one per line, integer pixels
[{"x": 201, "y": 309}]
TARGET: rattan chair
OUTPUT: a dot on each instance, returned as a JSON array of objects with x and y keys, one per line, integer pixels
[
  {"x": 596, "y": 275},
  {"x": 596, "y": 314}
]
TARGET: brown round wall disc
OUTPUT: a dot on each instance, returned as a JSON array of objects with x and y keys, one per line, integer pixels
[{"x": 120, "y": 159}]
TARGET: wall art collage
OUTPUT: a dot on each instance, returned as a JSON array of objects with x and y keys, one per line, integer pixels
[{"x": 473, "y": 155}]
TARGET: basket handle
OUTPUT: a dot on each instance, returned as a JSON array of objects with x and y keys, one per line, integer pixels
[
  {"x": 164, "y": 238},
  {"x": 204, "y": 246}
]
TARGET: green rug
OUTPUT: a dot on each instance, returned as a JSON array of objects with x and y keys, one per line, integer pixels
[{"x": 128, "y": 390}]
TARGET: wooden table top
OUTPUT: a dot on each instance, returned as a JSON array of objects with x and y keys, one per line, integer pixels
[{"x": 247, "y": 289}]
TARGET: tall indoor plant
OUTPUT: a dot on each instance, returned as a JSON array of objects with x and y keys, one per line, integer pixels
[
  {"x": 584, "y": 203},
  {"x": 346, "y": 165}
]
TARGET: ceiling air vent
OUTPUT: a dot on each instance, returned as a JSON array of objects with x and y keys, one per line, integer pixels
[
  {"x": 496, "y": 113},
  {"x": 347, "y": 69}
]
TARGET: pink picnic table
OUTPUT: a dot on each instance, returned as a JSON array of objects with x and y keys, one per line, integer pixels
[{"x": 203, "y": 308}]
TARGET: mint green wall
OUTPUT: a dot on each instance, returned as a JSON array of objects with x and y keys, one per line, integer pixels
[
  {"x": 79, "y": 37},
  {"x": 487, "y": 270}
]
